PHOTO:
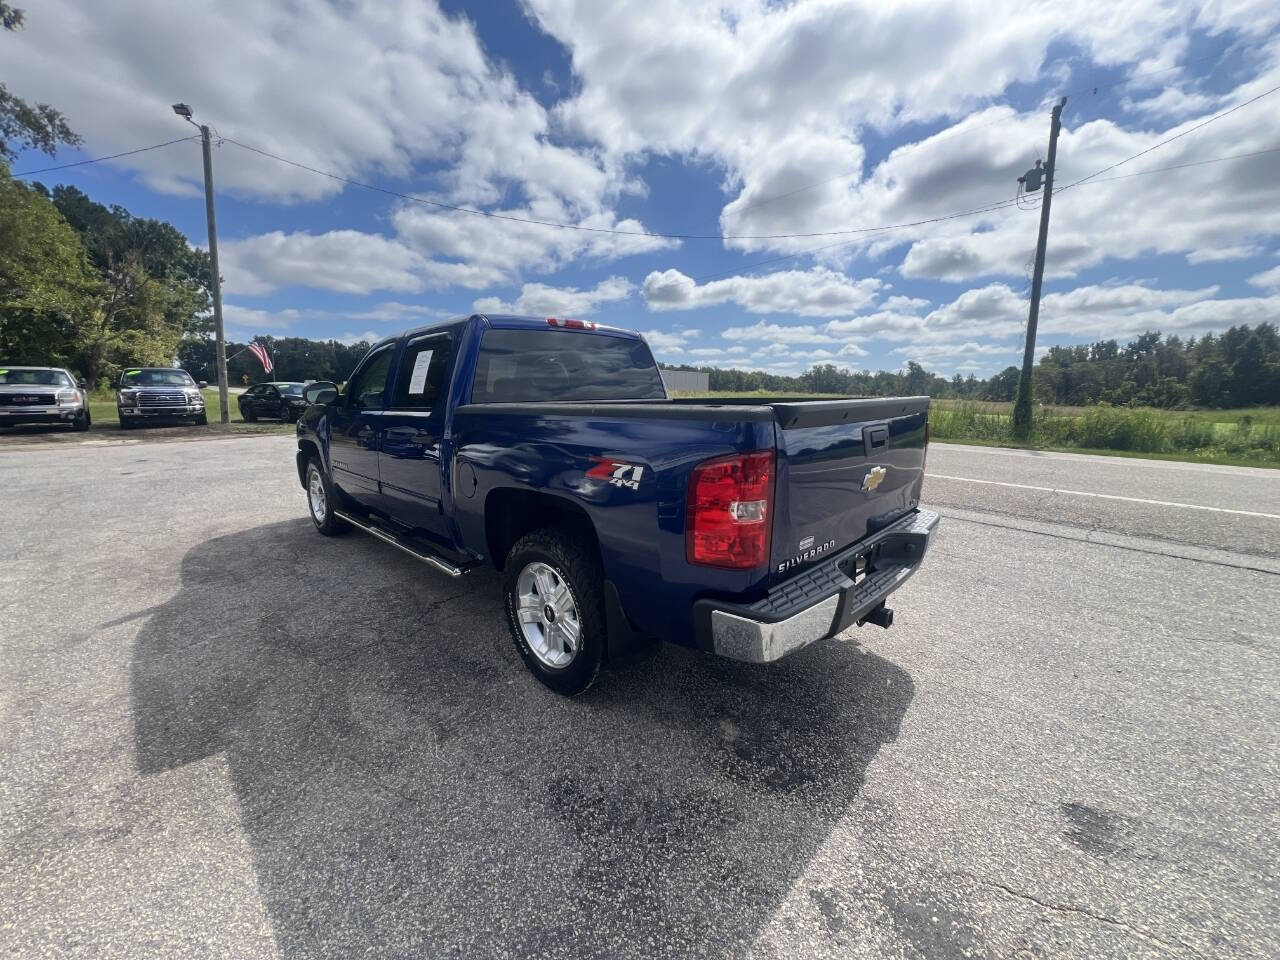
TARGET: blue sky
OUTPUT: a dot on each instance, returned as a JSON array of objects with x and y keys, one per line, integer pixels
[{"x": 736, "y": 119}]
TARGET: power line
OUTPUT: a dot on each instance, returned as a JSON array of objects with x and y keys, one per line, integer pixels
[
  {"x": 114, "y": 156},
  {"x": 1168, "y": 140},
  {"x": 1093, "y": 88},
  {"x": 1000, "y": 205},
  {"x": 1180, "y": 166},
  {"x": 955, "y": 130},
  {"x": 1088, "y": 182}
]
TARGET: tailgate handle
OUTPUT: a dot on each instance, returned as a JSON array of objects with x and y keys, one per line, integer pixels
[{"x": 875, "y": 438}]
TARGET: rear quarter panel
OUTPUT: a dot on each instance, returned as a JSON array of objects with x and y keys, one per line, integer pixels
[{"x": 641, "y": 530}]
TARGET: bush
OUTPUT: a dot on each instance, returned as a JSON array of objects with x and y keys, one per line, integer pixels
[{"x": 1104, "y": 427}]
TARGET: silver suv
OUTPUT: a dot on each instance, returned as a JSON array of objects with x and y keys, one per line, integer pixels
[
  {"x": 159, "y": 393},
  {"x": 42, "y": 395}
]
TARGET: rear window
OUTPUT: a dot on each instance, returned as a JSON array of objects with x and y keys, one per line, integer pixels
[{"x": 522, "y": 366}]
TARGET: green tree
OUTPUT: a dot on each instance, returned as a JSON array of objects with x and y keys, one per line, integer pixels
[
  {"x": 115, "y": 238},
  {"x": 26, "y": 125},
  {"x": 48, "y": 292}
]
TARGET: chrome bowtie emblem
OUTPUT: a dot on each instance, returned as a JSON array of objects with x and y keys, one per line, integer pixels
[{"x": 875, "y": 476}]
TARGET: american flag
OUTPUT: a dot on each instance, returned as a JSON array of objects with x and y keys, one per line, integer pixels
[{"x": 260, "y": 352}]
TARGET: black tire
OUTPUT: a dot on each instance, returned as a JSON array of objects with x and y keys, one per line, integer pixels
[
  {"x": 82, "y": 422},
  {"x": 126, "y": 423},
  {"x": 328, "y": 523},
  {"x": 574, "y": 561},
  {"x": 202, "y": 420},
  {"x": 248, "y": 417}
]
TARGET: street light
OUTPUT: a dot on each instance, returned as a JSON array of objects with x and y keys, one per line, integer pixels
[{"x": 184, "y": 111}]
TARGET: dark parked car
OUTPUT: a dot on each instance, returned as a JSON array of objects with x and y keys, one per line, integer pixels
[
  {"x": 159, "y": 393},
  {"x": 42, "y": 395},
  {"x": 272, "y": 401}
]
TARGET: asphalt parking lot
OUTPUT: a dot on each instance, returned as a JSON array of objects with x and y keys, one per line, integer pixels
[{"x": 225, "y": 735}]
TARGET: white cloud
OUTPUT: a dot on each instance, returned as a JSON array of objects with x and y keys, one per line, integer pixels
[
  {"x": 668, "y": 342},
  {"x": 255, "y": 321},
  {"x": 397, "y": 93},
  {"x": 1268, "y": 279},
  {"x": 780, "y": 96},
  {"x": 392, "y": 311},
  {"x": 931, "y": 353},
  {"x": 345, "y": 261},
  {"x": 369, "y": 336},
  {"x": 479, "y": 252},
  {"x": 778, "y": 333},
  {"x": 818, "y": 292},
  {"x": 539, "y": 299},
  {"x": 362, "y": 90},
  {"x": 1096, "y": 311}
]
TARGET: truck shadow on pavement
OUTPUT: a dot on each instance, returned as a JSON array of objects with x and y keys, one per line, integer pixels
[{"x": 408, "y": 789}]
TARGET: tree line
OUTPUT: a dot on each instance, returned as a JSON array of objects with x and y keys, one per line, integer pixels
[{"x": 1237, "y": 368}]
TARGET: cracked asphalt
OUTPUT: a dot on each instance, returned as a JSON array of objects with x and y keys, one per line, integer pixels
[{"x": 226, "y": 736}]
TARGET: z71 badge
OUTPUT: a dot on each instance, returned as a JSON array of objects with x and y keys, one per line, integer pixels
[{"x": 618, "y": 474}]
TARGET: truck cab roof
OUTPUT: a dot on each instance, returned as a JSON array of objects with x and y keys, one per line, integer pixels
[{"x": 510, "y": 321}]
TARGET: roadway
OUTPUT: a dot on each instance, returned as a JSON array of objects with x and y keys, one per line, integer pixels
[{"x": 227, "y": 736}]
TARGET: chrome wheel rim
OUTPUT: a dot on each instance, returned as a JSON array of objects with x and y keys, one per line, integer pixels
[
  {"x": 548, "y": 615},
  {"x": 315, "y": 494}
]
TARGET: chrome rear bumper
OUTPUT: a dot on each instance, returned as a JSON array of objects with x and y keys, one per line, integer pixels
[{"x": 823, "y": 600}]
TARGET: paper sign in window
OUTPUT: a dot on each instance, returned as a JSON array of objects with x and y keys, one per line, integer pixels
[{"x": 418, "y": 379}]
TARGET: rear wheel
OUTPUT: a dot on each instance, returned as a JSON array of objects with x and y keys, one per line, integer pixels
[
  {"x": 555, "y": 608},
  {"x": 320, "y": 501}
]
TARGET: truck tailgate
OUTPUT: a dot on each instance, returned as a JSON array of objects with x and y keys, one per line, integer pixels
[{"x": 846, "y": 468}]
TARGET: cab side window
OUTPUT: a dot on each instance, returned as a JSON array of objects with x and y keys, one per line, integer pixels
[
  {"x": 367, "y": 388},
  {"x": 423, "y": 373}
]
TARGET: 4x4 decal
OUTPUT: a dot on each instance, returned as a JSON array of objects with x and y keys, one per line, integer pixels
[{"x": 618, "y": 474}]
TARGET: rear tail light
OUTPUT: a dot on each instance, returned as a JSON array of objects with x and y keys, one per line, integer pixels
[
  {"x": 569, "y": 324},
  {"x": 727, "y": 520}
]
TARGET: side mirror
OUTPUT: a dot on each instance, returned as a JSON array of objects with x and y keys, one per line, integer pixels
[
  {"x": 322, "y": 391},
  {"x": 204, "y": 384},
  {"x": 82, "y": 384}
]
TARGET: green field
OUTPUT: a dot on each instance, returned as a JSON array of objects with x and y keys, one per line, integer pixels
[{"x": 1248, "y": 436}]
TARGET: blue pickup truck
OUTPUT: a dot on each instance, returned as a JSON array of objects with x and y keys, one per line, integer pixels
[{"x": 619, "y": 517}]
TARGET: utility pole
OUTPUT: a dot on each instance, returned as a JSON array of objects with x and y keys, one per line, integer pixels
[
  {"x": 184, "y": 111},
  {"x": 1022, "y": 405}
]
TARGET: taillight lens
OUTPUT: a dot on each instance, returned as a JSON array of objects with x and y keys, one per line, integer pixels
[{"x": 728, "y": 517}]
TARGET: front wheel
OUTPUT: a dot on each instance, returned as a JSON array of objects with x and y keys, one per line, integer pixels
[
  {"x": 82, "y": 422},
  {"x": 320, "y": 501},
  {"x": 555, "y": 608},
  {"x": 126, "y": 423},
  {"x": 202, "y": 420},
  {"x": 248, "y": 417}
]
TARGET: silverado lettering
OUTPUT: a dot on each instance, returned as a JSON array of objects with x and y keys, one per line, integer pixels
[{"x": 792, "y": 562}]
